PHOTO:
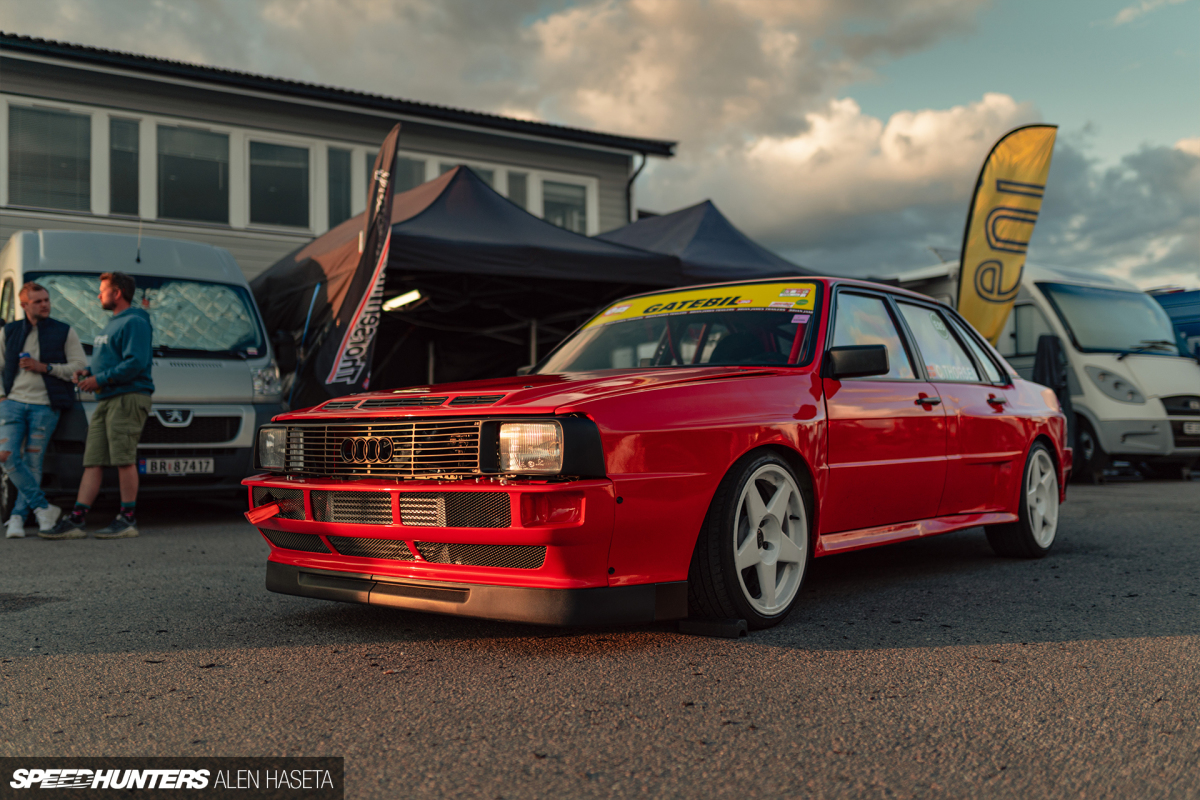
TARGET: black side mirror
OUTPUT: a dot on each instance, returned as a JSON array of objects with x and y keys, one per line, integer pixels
[
  {"x": 856, "y": 361},
  {"x": 284, "y": 345}
]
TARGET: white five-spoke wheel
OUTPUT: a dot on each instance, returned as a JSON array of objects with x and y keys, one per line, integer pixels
[
  {"x": 1041, "y": 498},
  {"x": 770, "y": 540},
  {"x": 753, "y": 551},
  {"x": 1032, "y": 535}
]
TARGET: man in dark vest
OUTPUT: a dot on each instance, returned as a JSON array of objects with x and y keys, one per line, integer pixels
[{"x": 38, "y": 358}]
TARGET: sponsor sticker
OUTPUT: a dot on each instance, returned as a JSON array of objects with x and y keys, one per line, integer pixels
[
  {"x": 743, "y": 297},
  {"x": 801, "y": 318}
]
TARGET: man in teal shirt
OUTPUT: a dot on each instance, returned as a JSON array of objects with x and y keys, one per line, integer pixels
[{"x": 122, "y": 356}]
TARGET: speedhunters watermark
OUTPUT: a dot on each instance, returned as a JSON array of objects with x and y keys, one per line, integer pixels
[{"x": 293, "y": 778}]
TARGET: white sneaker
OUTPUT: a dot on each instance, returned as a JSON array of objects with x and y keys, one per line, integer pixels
[
  {"x": 15, "y": 529},
  {"x": 46, "y": 517}
]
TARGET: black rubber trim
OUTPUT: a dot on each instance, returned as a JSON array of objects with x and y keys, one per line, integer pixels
[
  {"x": 583, "y": 452},
  {"x": 617, "y": 605}
]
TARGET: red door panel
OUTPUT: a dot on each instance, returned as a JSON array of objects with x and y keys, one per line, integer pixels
[
  {"x": 986, "y": 442},
  {"x": 887, "y": 453}
]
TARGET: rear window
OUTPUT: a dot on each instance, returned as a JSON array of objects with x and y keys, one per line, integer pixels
[{"x": 190, "y": 317}]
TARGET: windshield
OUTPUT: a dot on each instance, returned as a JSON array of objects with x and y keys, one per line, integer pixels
[
  {"x": 729, "y": 325},
  {"x": 1112, "y": 320},
  {"x": 189, "y": 317}
]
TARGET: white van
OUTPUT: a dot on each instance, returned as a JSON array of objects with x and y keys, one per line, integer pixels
[
  {"x": 1136, "y": 397},
  {"x": 215, "y": 378}
]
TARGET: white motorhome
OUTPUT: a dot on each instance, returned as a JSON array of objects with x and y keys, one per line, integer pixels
[
  {"x": 1135, "y": 396},
  {"x": 215, "y": 378}
]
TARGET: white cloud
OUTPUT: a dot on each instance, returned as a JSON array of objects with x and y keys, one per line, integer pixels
[{"x": 1133, "y": 12}]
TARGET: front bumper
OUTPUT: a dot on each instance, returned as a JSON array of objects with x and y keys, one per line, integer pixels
[
  {"x": 617, "y": 605},
  {"x": 525, "y": 551},
  {"x": 1148, "y": 438}
]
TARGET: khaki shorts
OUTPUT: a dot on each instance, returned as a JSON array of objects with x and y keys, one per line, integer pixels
[{"x": 116, "y": 427}]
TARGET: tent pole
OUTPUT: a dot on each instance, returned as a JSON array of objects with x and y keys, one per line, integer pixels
[
  {"x": 430, "y": 375},
  {"x": 532, "y": 342}
]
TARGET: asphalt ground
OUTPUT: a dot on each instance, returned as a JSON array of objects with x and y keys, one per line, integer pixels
[{"x": 926, "y": 669}]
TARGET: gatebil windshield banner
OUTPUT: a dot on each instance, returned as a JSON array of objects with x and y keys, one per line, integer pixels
[
  {"x": 1007, "y": 200},
  {"x": 790, "y": 296}
]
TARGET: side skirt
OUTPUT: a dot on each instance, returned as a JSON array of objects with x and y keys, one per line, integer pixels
[{"x": 847, "y": 541}]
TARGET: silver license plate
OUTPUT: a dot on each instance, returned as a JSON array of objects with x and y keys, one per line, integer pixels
[
  {"x": 1191, "y": 429},
  {"x": 175, "y": 466}
]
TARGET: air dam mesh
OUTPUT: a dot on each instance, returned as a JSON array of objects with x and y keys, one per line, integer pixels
[
  {"x": 295, "y": 541},
  {"x": 393, "y": 549},
  {"x": 361, "y": 508},
  {"x": 455, "y": 509},
  {"x": 291, "y": 501},
  {"x": 508, "y": 556}
]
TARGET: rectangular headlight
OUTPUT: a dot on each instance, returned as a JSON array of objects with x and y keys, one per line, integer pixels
[
  {"x": 272, "y": 448},
  {"x": 531, "y": 447}
]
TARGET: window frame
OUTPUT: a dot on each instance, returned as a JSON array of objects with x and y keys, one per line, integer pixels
[
  {"x": 284, "y": 141},
  {"x": 934, "y": 306},
  {"x": 901, "y": 329}
]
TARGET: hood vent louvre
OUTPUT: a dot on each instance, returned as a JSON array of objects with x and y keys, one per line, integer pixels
[
  {"x": 402, "y": 402},
  {"x": 476, "y": 399},
  {"x": 333, "y": 405}
]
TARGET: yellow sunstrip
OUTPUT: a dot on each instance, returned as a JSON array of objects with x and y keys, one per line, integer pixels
[{"x": 751, "y": 296}]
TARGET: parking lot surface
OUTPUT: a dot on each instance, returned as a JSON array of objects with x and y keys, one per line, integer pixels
[{"x": 926, "y": 669}]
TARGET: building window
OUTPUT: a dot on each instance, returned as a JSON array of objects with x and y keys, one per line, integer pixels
[
  {"x": 488, "y": 175},
  {"x": 565, "y": 205},
  {"x": 49, "y": 159},
  {"x": 518, "y": 188},
  {"x": 123, "y": 166},
  {"x": 278, "y": 185},
  {"x": 410, "y": 173},
  {"x": 339, "y": 186},
  {"x": 193, "y": 174}
]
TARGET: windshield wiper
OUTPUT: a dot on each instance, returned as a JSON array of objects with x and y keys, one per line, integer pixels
[{"x": 1147, "y": 345}]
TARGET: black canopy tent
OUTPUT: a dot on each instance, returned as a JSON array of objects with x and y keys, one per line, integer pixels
[
  {"x": 498, "y": 286},
  {"x": 706, "y": 243}
]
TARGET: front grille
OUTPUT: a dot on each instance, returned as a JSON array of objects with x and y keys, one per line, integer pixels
[
  {"x": 476, "y": 399},
  {"x": 203, "y": 430},
  {"x": 1184, "y": 439},
  {"x": 508, "y": 556},
  {"x": 402, "y": 402},
  {"x": 455, "y": 509},
  {"x": 1182, "y": 404},
  {"x": 361, "y": 508},
  {"x": 307, "y": 542},
  {"x": 393, "y": 549},
  {"x": 418, "y": 448},
  {"x": 291, "y": 501}
]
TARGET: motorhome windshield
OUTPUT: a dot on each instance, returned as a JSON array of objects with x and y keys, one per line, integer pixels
[
  {"x": 1112, "y": 320},
  {"x": 196, "y": 318}
]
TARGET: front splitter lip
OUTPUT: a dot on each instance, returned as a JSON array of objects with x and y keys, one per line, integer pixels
[{"x": 618, "y": 605}]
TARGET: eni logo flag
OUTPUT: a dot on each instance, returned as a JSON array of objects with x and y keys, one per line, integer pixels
[{"x": 1004, "y": 209}]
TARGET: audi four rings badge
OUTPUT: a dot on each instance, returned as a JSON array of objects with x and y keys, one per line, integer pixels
[{"x": 366, "y": 450}]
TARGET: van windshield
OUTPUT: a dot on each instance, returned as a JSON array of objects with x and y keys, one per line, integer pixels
[
  {"x": 1112, "y": 320},
  {"x": 196, "y": 318}
]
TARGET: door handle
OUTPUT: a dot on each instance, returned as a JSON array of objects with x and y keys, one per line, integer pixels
[
  {"x": 928, "y": 401},
  {"x": 997, "y": 401}
]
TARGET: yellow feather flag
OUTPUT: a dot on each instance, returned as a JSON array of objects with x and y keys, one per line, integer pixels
[{"x": 1008, "y": 197}]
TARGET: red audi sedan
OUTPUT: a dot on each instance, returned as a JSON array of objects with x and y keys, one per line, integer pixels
[{"x": 685, "y": 453}]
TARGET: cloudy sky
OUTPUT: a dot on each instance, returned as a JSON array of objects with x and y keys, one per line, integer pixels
[{"x": 845, "y": 134}]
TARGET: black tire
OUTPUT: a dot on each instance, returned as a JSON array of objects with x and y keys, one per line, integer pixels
[
  {"x": 717, "y": 589},
  {"x": 1030, "y": 536},
  {"x": 1090, "y": 459}
]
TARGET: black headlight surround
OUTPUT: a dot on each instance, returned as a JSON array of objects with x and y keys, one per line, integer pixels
[{"x": 583, "y": 452}]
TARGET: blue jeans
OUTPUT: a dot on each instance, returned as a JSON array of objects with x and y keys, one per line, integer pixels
[{"x": 29, "y": 425}]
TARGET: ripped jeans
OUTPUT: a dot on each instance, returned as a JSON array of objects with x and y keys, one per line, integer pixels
[{"x": 32, "y": 426}]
